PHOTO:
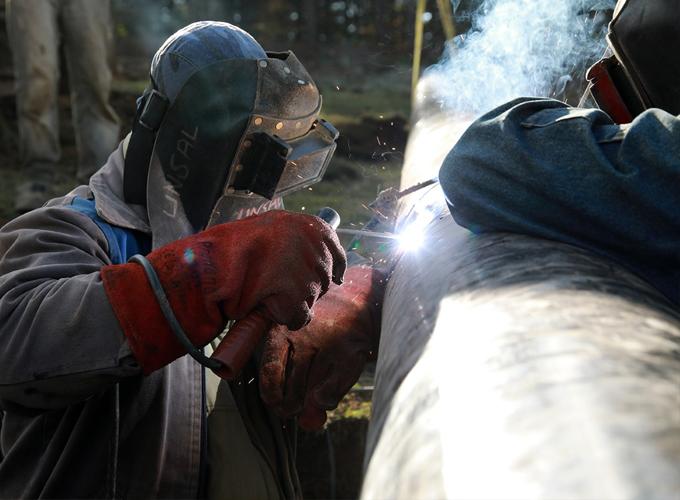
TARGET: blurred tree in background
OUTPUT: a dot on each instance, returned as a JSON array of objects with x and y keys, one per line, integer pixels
[{"x": 379, "y": 31}]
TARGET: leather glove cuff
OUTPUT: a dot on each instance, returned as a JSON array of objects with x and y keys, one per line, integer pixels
[
  {"x": 136, "y": 306},
  {"x": 141, "y": 319}
]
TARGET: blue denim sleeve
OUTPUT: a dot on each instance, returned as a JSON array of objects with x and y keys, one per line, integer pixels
[
  {"x": 123, "y": 243},
  {"x": 542, "y": 168}
]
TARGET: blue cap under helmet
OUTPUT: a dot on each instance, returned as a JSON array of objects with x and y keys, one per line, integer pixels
[{"x": 195, "y": 47}]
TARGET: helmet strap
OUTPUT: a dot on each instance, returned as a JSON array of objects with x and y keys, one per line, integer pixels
[{"x": 150, "y": 113}]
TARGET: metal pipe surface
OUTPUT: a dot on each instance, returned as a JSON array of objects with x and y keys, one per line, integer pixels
[{"x": 512, "y": 367}]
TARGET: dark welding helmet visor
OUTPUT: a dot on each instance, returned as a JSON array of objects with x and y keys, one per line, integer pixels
[
  {"x": 643, "y": 70},
  {"x": 238, "y": 128},
  {"x": 268, "y": 165}
]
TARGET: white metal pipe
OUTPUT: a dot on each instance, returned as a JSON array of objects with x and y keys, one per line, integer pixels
[{"x": 512, "y": 367}]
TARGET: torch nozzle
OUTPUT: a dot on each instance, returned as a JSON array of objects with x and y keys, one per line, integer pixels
[{"x": 367, "y": 233}]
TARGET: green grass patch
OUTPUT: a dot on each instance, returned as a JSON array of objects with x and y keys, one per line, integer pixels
[
  {"x": 356, "y": 404},
  {"x": 134, "y": 87},
  {"x": 379, "y": 98}
]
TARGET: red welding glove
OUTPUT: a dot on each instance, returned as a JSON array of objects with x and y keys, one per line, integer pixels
[
  {"x": 278, "y": 263},
  {"x": 309, "y": 371}
]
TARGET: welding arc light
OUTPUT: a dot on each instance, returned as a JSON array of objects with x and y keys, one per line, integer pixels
[
  {"x": 412, "y": 234},
  {"x": 411, "y": 238}
]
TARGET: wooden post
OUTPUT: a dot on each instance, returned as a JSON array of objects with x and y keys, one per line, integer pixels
[
  {"x": 446, "y": 16},
  {"x": 417, "y": 46}
]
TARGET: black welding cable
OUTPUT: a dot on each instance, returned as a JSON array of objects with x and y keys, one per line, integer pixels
[
  {"x": 331, "y": 464},
  {"x": 170, "y": 317}
]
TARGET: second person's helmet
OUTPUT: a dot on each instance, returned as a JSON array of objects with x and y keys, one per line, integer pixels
[{"x": 643, "y": 67}]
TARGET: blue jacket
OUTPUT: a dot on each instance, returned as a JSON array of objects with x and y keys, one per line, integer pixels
[{"x": 539, "y": 167}]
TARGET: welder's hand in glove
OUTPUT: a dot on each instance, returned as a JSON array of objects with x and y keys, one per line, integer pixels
[
  {"x": 278, "y": 264},
  {"x": 309, "y": 371}
]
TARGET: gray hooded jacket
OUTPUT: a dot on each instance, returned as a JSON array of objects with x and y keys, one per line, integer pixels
[{"x": 78, "y": 418}]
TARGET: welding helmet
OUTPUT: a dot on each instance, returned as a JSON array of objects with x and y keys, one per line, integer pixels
[
  {"x": 224, "y": 131},
  {"x": 642, "y": 67}
]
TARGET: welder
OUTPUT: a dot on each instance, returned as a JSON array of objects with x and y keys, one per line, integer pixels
[
  {"x": 180, "y": 233},
  {"x": 604, "y": 178}
]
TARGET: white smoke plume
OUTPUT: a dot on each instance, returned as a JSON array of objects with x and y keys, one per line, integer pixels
[{"x": 516, "y": 48}]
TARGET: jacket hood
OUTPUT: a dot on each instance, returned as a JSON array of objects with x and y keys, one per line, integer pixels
[{"x": 107, "y": 187}]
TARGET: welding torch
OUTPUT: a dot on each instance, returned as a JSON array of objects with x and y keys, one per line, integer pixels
[
  {"x": 232, "y": 354},
  {"x": 386, "y": 202}
]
